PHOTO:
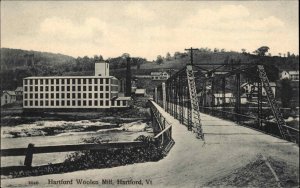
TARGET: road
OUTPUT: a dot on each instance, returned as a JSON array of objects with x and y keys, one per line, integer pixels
[{"x": 191, "y": 162}]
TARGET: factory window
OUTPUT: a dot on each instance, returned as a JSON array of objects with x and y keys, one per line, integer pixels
[
  {"x": 57, "y": 95},
  {"x": 101, "y": 80},
  {"x": 25, "y": 103},
  {"x": 90, "y": 103},
  {"x": 107, "y": 81},
  {"x": 57, "y": 81},
  {"x": 62, "y": 88},
  {"x": 96, "y": 103},
  {"x": 41, "y": 103},
  {"x": 47, "y": 96},
  {"x": 101, "y": 88},
  {"x": 112, "y": 103},
  {"x": 63, "y": 81},
  {"x": 90, "y": 95},
  {"x": 73, "y": 88},
  {"x": 57, "y": 88},
  {"x": 118, "y": 103},
  {"x": 95, "y": 88},
  {"x": 41, "y": 88},
  {"x": 106, "y": 103},
  {"x": 107, "y": 88},
  {"x": 79, "y": 81},
  {"x": 84, "y": 103},
  {"x": 68, "y": 88},
  {"x": 84, "y": 88},
  {"x": 101, "y": 103},
  {"x": 79, "y": 103},
  {"x": 107, "y": 95},
  {"x": 52, "y": 81},
  {"x": 41, "y": 95},
  {"x": 36, "y": 96},
  {"x": 25, "y": 88},
  {"x": 68, "y": 81},
  {"x": 73, "y": 95},
  {"x": 41, "y": 81},
  {"x": 62, "y": 95},
  {"x": 95, "y": 81},
  {"x": 36, "y": 82},
  {"x": 96, "y": 95},
  {"x": 90, "y": 88},
  {"x": 36, "y": 103},
  {"x": 73, "y": 103},
  {"x": 124, "y": 103},
  {"x": 84, "y": 81},
  {"x": 52, "y": 88},
  {"x": 73, "y": 81},
  {"x": 90, "y": 81},
  {"x": 47, "y": 81},
  {"x": 26, "y": 96},
  {"x": 63, "y": 103},
  {"x": 46, "y": 103},
  {"x": 31, "y": 96},
  {"x": 31, "y": 88},
  {"x": 57, "y": 103},
  {"x": 79, "y": 88},
  {"x": 52, "y": 95},
  {"x": 68, "y": 95},
  {"x": 25, "y": 82},
  {"x": 52, "y": 103},
  {"x": 68, "y": 103},
  {"x": 79, "y": 95},
  {"x": 101, "y": 95},
  {"x": 36, "y": 88},
  {"x": 47, "y": 88},
  {"x": 31, "y": 103}
]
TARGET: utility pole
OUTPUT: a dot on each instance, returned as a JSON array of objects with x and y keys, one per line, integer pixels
[{"x": 191, "y": 51}]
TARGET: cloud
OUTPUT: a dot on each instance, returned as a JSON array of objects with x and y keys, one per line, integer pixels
[
  {"x": 66, "y": 29},
  {"x": 138, "y": 11}
]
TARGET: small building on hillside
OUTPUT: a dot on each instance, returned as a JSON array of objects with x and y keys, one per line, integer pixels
[
  {"x": 160, "y": 75},
  {"x": 140, "y": 92},
  {"x": 292, "y": 75},
  {"x": 8, "y": 97},
  {"x": 19, "y": 93}
]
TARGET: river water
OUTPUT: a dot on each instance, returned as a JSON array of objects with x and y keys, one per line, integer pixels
[{"x": 126, "y": 132}]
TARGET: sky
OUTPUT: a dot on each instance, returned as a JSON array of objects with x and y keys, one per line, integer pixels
[{"x": 148, "y": 28}]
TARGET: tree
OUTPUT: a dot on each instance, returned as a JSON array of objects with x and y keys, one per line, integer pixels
[
  {"x": 168, "y": 56},
  {"x": 159, "y": 60},
  {"x": 285, "y": 92},
  {"x": 262, "y": 51},
  {"x": 243, "y": 50},
  {"x": 279, "y": 54}
]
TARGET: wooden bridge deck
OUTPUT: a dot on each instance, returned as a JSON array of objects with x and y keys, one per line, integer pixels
[{"x": 191, "y": 162}]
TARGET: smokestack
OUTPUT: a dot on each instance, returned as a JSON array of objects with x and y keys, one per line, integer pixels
[{"x": 128, "y": 78}]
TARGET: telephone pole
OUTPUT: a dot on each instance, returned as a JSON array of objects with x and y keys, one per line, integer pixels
[{"x": 191, "y": 51}]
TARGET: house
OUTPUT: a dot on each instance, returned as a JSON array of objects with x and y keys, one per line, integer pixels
[
  {"x": 251, "y": 89},
  {"x": 140, "y": 92},
  {"x": 292, "y": 75},
  {"x": 8, "y": 97},
  {"x": 19, "y": 93},
  {"x": 220, "y": 99},
  {"x": 160, "y": 75}
]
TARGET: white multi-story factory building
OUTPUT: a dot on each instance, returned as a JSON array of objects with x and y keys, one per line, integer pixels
[{"x": 74, "y": 92}]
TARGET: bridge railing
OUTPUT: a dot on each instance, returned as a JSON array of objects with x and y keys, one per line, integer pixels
[
  {"x": 164, "y": 136},
  {"x": 259, "y": 124}
]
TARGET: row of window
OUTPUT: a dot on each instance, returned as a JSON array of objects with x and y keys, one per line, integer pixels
[
  {"x": 68, "y": 81},
  {"x": 67, "y": 95},
  {"x": 74, "y": 103},
  {"x": 67, "y": 88}
]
